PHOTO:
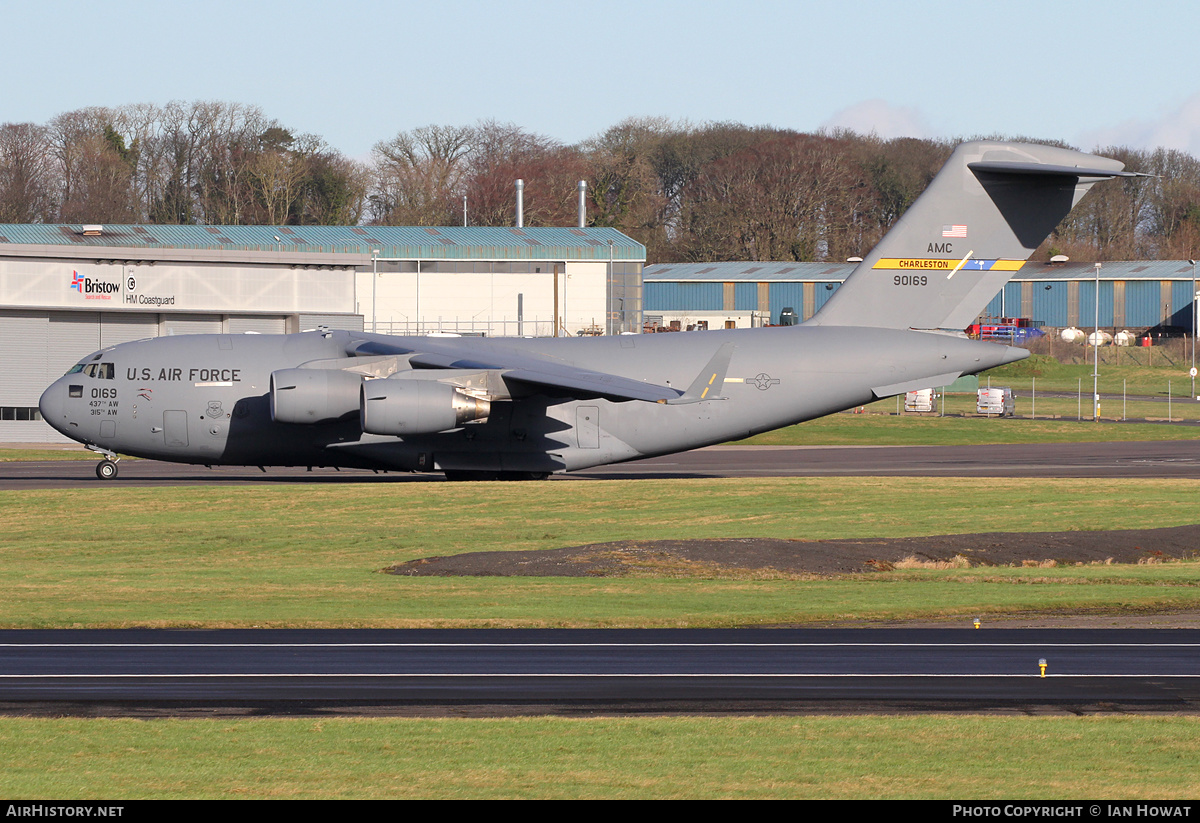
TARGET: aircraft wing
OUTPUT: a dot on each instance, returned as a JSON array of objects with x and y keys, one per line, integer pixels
[{"x": 542, "y": 373}]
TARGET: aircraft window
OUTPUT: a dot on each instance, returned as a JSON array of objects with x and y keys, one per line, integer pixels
[
  {"x": 19, "y": 413},
  {"x": 76, "y": 369},
  {"x": 106, "y": 371},
  {"x": 90, "y": 369}
]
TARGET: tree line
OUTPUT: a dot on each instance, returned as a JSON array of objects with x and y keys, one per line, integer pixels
[{"x": 708, "y": 192}]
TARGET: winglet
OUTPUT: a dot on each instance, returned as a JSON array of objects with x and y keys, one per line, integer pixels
[{"x": 710, "y": 380}]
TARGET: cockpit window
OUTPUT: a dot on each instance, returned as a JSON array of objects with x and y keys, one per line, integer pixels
[
  {"x": 100, "y": 371},
  {"x": 76, "y": 369}
]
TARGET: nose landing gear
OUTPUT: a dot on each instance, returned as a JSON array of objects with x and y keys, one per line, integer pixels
[{"x": 106, "y": 469}]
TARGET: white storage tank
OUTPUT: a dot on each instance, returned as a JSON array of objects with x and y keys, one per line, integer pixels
[{"x": 1072, "y": 335}]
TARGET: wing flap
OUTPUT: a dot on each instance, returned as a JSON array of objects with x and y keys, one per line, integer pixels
[
  {"x": 589, "y": 384},
  {"x": 426, "y": 360}
]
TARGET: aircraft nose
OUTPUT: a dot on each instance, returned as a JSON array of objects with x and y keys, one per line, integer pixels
[{"x": 53, "y": 406}]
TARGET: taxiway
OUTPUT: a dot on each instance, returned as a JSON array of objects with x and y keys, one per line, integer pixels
[{"x": 1163, "y": 459}]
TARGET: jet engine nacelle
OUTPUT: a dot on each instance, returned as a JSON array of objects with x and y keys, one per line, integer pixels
[
  {"x": 406, "y": 407},
  {"x": 313, "y": 395}
]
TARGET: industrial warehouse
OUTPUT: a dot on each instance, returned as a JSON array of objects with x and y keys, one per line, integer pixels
[
  {"x": 1134, "y": 295},
  {"x": 67, "y": 290}
]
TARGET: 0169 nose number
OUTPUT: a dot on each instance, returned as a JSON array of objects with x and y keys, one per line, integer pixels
[{"x": 103, "y": 402}]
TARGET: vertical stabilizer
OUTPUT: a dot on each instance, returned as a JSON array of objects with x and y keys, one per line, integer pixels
[{"x": 970, "y": 231}]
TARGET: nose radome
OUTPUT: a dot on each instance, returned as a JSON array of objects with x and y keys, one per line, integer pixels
[{"x": 52, "y": 405}]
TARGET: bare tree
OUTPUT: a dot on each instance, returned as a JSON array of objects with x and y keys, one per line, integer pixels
[
  {"x": 25, "y": 174},
  {"x": 222, "y": 141},
  {"x": 779, "y": 200},
  {"x": 95, "y": 166},
  {"x": 1111, "y": 222},
  {"x": 502, "y": 153},
  {"x": 418, "y": 175},
  {"x": 624, "y": 189},
  {"x": 335, "y": 190}
]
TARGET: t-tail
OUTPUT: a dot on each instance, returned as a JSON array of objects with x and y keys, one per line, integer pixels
[{"x": 967, "y": 234}]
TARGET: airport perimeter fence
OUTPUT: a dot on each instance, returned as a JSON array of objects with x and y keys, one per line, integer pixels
[
  {"x": 1174, "y": 401},
  {"x": 531, "y": 327}
]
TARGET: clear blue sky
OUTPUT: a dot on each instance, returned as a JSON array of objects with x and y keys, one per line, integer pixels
[{"x": 354, "y": 72}]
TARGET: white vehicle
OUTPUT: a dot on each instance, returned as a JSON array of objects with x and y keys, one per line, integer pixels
[
  {"x": 995, "y": 402},
  {"x": 920, "y": 400}
]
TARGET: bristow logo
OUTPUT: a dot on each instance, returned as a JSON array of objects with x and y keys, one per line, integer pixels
[{"x": 93, "y": 289}]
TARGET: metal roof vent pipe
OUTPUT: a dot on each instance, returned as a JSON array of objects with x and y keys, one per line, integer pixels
[
  {"x": 582, "y": 203},
  {"x": 520, "y": 203}
]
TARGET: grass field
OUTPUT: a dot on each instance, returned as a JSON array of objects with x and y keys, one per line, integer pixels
[
  {"x": 1126, "y": 394},
  {"x": 9, "y": 455},
  {"x": 885, "y": 428},
  {"x": 312, "y": 555},
  {"x": 983, "y": 758}
]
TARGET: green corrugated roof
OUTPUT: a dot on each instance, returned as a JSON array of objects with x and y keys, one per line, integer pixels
[
  {"x": 440, "y": 242},
  {"x": 747, "y": 272},
  {"x": 835, "y": 272}
]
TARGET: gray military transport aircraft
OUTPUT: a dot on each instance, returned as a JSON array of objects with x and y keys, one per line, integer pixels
[{"x": 514, "y": 408}]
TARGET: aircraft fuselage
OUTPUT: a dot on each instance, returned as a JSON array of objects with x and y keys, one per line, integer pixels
[{"x": 206, "y": 399}]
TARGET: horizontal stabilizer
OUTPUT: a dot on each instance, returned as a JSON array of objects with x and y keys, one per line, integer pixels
[
  {"x": 1052, "y": 170},
  {"x": 935, "y": 382}
]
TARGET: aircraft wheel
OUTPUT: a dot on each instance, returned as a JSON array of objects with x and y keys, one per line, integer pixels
[
  {"x": 106, "y": 470},
  {"x": 460, "y": 475},
  {"x": 524, "y": 475}
]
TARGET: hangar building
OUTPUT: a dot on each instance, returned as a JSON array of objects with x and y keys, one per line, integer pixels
[
  {"x": 67, "y": 290},
  {"x": 1133, "y": 295}
]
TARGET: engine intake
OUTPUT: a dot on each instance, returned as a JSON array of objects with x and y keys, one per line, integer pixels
[
  {"x": 310, "y": 396},
  {"x": 406, "y": 407}
]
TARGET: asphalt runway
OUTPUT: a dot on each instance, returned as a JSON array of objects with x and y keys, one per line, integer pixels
[
  {"x": 619, "y": 672},
  {"x": 1160, "y": 459},
  {"x": 298, "y": 671},
  {"x": 1173, "y": 459}
]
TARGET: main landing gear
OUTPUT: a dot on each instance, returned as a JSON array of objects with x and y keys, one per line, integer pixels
[{"x": 457, "y": 475}]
